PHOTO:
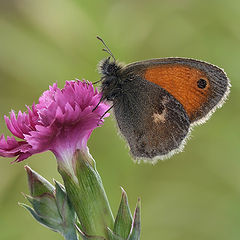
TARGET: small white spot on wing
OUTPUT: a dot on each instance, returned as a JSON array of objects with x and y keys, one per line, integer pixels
[{"x": 157, "y": 117}]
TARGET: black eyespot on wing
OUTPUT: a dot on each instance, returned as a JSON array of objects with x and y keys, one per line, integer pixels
[{"x": 202, "y": 83}]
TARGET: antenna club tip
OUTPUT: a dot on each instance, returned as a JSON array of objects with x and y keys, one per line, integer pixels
[{"x": 106, "y": 49}]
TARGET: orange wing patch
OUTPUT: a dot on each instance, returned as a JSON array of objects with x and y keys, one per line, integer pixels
[{"x": 181, "y": 82}]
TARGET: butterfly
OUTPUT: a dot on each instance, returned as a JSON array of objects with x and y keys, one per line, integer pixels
[{"x": 157, "y": 102}]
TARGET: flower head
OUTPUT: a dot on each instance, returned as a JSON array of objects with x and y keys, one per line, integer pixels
[{"x": 62, "y": 122}]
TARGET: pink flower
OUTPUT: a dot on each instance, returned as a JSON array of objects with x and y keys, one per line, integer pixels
[{"x": 61, "y": 122}]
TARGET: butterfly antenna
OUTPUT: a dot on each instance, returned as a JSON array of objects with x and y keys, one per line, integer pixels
[
  {"x": 97, "y": 81},
  {"x": 106, "y": 49}
]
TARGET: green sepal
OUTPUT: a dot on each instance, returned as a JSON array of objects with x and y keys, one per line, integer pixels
[
  {"x": 87, "y": 195},
  {"x": 136, "y": 226},
  {"x": 123, "y": 221}
]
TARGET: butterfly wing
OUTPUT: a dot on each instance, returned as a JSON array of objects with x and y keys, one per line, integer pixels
[
  {"x": 153, "y": 122},
  {"x": 181, "y": 77}
]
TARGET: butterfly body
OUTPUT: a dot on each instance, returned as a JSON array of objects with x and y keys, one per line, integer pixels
[{"x": 156, "y": 102}]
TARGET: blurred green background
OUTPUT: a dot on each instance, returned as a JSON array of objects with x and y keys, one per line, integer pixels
[{"x": 195, "y": 194}]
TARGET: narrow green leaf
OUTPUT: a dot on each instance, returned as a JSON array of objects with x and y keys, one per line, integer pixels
[
  {"x": 136, "y": 226},
  {"x": 123, "y": 222}
]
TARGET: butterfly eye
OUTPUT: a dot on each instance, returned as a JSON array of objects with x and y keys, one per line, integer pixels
[{"x": 201, "y": 83}]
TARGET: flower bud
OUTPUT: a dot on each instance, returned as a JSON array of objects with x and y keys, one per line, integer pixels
[{"x": 50, "y": 206}]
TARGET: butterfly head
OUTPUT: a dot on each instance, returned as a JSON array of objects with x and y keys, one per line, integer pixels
[
  {"x": 108, "y": 68},
  {"x": 110, "y": 71}
]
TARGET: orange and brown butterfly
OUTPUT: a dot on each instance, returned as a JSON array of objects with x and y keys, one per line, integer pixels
[{"x": 157, "y": 102}]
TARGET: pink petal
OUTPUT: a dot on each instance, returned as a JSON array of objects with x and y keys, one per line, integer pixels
[{"x": 61, "y": 121}]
